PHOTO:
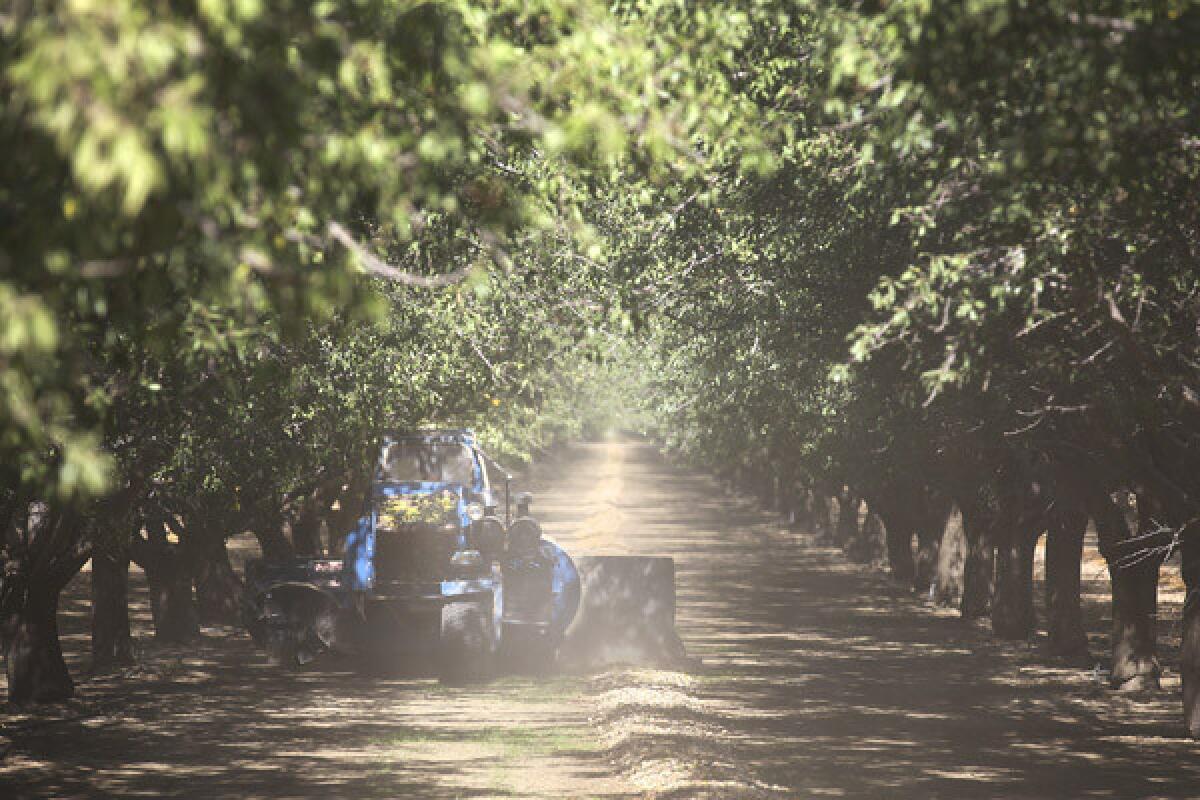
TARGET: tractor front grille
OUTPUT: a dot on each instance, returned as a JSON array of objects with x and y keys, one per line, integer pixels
[{"x": 414, "y": 552}]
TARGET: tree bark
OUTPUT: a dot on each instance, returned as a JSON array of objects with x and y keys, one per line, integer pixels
[
  {"x": 764, "y": 487},
  {"x": 37, "y": 672},
  {"x": 1189, "y": 657},
  {"x": 304, "y": 526},
  {"x": 951, "y": 557},
  {"x": 112, "y": 644},
  {"x": 897, "y": 538},
  {"x": 849, "y": 506},
  {"x": 929, "y": 541},
  {"x": 823, "y": 517},
  {"x": 1134, "y": 603},
  {"x": 43, "y": 551},
  {"x": 1134, "y": 576},
  {"x": 172, "y": 603},
  {"x": 789, "y": 502},
  {"x": 1012, "y": 601},
  {"x": 272, "y": 540},
  {"x": 349, "y": 508},
  {"x": 979, "y": 566},
  {"x": 1064, "y": 555},
  {"x": 868, "y": 545},
  {"x": 806, "y": 509},
  {"x": 218, "y": 587}
]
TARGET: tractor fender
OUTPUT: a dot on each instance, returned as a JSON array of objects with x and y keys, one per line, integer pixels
[
  {"x": 565, "y": 586},
  {"x": 297, "y": 586}
]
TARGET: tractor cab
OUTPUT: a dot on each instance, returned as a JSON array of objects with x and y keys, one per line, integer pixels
[{"x": 431, "y": 516}]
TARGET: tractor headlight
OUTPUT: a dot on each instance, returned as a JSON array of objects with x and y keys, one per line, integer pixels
[{"x": 474, "y": 511}]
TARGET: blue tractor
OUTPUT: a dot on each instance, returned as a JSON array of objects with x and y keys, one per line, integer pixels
[{"x": 438, "y": 570}]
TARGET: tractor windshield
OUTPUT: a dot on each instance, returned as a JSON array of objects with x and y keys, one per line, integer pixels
[{"x": 438, "y": 462}]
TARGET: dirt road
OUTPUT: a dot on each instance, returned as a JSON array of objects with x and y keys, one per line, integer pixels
[{"x": 817, "y": 679}]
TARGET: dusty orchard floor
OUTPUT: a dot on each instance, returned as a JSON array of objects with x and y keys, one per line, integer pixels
[{"x": 818, "y": 680}]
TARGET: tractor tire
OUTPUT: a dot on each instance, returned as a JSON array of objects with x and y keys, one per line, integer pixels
[
  {"x": 464, "y": 653},
  {"x": 282, "y": 649},
  {"x": 526, "y": 651}
]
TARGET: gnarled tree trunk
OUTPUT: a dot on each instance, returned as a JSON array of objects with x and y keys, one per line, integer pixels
[
  {"x": 272, "y": 540},
  {"x": 868, "y": 546},
  {"x": 37, "y": 672},
  {"x": 897, "y": 537},
  {"x": 218, "y": 587},
  {"x": 1189, "y": 658},
  {"x": 979, "y": 566},
  {"x": 789, "y": 501},
  {"x": 1134, "y": 603},
  {"x": 172, "y": 603},
  {"x": 345, "y": 511},
  {"x": 930, "y": 521},
  {"x": 302, "y": 524},
  {"x": 929, "y": 541},
  {"x": 1064, "y": 554},
  {"x": 44, "y": 551},
  {"x": 823, "y": 525},
  {"x": 952, "y": 555},
  {"x": 112, "y": 644},
  {"x": 1134, "y": 574},
  {"x": 849, "y": 508},
  {"x": 1012, "y": 601}
]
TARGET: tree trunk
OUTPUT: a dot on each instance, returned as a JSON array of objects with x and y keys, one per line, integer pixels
[
  {"x": 1135, "y": 635},
  {"x": 349, "y": 508},
  {"x": 1064, "y": 555},
  {"x": 37, "y": 672},
  {"x": 877, "y": 535},
  {"x": 172, "y": 603},
  {"x": 29, "y": 590},
  {"x": 952, "y": 554},
  {"x": 112, "y": 644},
  {"x": 1012, "y": 603},
  {"x": 1189, "y": 657},
  {"x": 897, "y": 533},
  {"x": 802, "y": 507},
  {"x": 737, "y": 478},
  {"x": 218, "y": 587},
  {"x": 823, "y": 517},
  {"x": 272, "y": 541},
  {"x": 764, "y": 483},
  {"x": 929, "y": 542},
  {"x": 1134, "y": 575},
  {"x": 869, "y": 544},
  {"x": 849, "y": 506},
  {"x": 979, "y": 567},
  {"x": 789, "y": 503},
  {"x": 305, "y": 527}
]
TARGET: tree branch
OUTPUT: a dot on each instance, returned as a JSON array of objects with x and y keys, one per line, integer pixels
[{"x": 381, "y": 269}]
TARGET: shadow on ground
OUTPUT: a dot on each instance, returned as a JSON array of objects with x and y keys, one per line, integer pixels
[
  {"x": 218, "y": 722},
  {"x": 822, "y": 679}
]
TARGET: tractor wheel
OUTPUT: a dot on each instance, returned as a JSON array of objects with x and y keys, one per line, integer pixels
[
  {"x": 465, "y": 647},
  {"x": 282, "y": 649},
  {"x": 525, "y": 650}
]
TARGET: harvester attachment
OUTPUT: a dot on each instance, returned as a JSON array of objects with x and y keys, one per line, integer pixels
[{"x": 626, "y": 614}]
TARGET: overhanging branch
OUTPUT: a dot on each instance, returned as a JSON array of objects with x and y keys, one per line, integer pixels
[{"x": 382, "y": 269}]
